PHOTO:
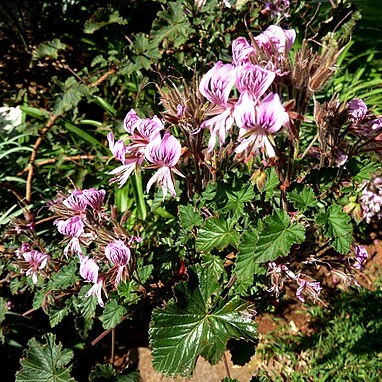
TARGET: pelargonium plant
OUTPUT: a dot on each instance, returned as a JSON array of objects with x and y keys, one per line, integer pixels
[{"x": 253, "y": 176}]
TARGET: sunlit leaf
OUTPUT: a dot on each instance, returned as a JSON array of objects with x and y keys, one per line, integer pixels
[
  {"x": 337, "y": 228},
  {"x": 216, "y": 233},
  {"x": 195, "y": 326}
]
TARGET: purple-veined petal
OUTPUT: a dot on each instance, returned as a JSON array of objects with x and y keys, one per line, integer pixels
[{"x": 217, "y": 83}]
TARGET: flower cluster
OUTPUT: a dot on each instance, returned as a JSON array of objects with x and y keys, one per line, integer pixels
[
  {"x": 150, "y": 145},
  {"x": 257, "y": 112},
  {"x": 371, "y": 199},
  {"x": 32, "y": 260},
  {"x": 81, "y": 219},
  {"x": 73, "y": 226},
  {"x": 365, "y": 126},
  {"x": 276, "y": 8},
  {"x": 279, "y": 273}
]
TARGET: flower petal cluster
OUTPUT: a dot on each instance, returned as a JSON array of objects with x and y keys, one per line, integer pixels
[
  {"x": 150, "y": 145},
  {"x": 89, "y": 271},
  {"x": 371, "y": 200},
  {"x": 119, "y": 256},
  {"x": 73, "y": 227},
  {"x": 360, "y": 257},
  {"x": 35, "y": 260},
  {"x": 257, "y": 114}
]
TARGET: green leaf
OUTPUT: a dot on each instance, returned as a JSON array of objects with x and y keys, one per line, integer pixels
[
  {"x": 171, "y": 27},
  {"x": 82, "y": 134},
  {"x": 189, "y": 218},
  {"x": 302, "y": 200},
  {"x": 86, "y": 305},
  {"x": 245, "y": 266},
  {"x": 112, "y": 314},
  {"x": 337, "y": 228},
  {"x": 195, "y": 326},
  {"x": 57, "y": 315},
  {"x": 48, "y": 48},
  {"x": 237, "y": 199},
  {"x": 275, "y": 238},
  {"x": 101, "y": 18},
  {"x": 64, "y": 278},
  {"x": 272, "y": 184},
  {"x": 362, "y": 170},
  {"x": 45, "y": 362},
  {"x": 216, "y": 233},
  {"x": 72, "y": 93}
]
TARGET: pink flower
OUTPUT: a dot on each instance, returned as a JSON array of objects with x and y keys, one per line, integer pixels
[
  {"x": 360, "y": 256},
  {"x": 89, "y": 271},
  {"x": 122, "y": 173},
  {"x": 277, "y": 7},
  {"x": 275, "y": 39},
  {"x": 217, "y": 83},
  {"x": 253, "y": 80},
  {"x": 119, "y": 255},
  {"x": 72, "y": 227},
  {"x": 75, "y": 202},
  {"x": 119, "y": 149},
  {"x": 241, "y": 51},
  {"x": 146, "y": 131},
  {"x": 94, "y": 198},
  {"x": 216, "y": 86},
  {"x": 312, "y": 288},
  {"x": 36, "y": 261},
  {"x": 357, "y": 110},
  {"x": 164, "y": 154},
  {"x": 131, "y": 121},
  {"x": 256, "y": 123}
]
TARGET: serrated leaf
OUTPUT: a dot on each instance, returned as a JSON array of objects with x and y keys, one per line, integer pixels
[
  {"x": 48, "y": 48},
  {"x": 362, "y": 170},
  {"x": 302, "y": 200},
  {"x": 57, "y": 315},
  {"x": 272, "y": 183},
  {"x": 216, "y": 233},
  {"x": 101, "y": 18},
  {"x": 237, "y": 198},
  {"x": 180, "y": 333},
  {"x": 87, "y": 305},
  {"x": 171, "y": 27},
  {"x": 189, "y": 218},
  {"x": 112, "y": 314},
  {"x": 337, "y": 228},
  {"x": 245, "y": 265},
  {"x": 45, "y": 362},
  {"x": 277, "y": 236},
  {"x": 64, "y": 278},
  {"x": 72, "y": 93},
  {"x": 103, "y": 372}
]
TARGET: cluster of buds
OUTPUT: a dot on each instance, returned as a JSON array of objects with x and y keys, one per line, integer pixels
[
  {"x": 150, "y": 147},
  {"x": 258, "y": 113},
  {"x": 82, "y": 220}
]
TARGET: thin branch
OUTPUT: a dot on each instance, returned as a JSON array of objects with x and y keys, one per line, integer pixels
[{"x": 72, "y": 158}]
